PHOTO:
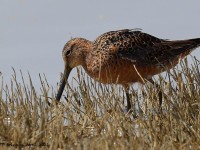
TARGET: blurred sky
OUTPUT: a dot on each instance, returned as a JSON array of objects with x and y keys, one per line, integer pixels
[{"x": 33, "y": 32}]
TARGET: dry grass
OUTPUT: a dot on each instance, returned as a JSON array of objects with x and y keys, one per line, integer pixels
[{"x": 91, "y": 117}]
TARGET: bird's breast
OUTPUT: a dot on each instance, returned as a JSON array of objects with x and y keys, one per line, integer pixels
[{"x": 122, "y": 72}]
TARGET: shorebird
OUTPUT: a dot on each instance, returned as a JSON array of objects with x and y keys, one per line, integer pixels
[{"x": 124, "y": 57}]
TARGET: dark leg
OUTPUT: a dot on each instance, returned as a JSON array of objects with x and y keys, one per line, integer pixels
[
  {"x": 160, "y": 98},
  {"x": 126, "y": 87},
  {"x": 128, "y": 101},
  {"x": 159, "y": 92}
]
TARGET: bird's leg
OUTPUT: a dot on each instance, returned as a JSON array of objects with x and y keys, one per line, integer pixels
[
  {"x": 159, "y": 92},
  {"x": 126, "y": 87}
]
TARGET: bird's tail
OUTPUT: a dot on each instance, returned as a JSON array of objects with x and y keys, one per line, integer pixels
[
  {"x": 183, "y": 47},
  {"x": 194, "y": 43}
]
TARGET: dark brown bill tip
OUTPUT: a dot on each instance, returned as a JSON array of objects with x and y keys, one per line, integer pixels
[
  {"x": 63, "y": 82},
  {"x": 61, "y": 89}
]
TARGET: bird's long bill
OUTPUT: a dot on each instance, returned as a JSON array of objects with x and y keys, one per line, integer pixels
[{"x": 63, "y": 82}]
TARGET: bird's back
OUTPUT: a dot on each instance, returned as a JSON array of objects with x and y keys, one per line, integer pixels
[{"x": 120, "y": 56}]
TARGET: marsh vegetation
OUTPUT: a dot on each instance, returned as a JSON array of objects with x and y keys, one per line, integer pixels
[{"x": 90, "y": 115}]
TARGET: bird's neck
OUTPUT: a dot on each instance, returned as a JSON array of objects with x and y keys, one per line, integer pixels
[{"x": 85, "y": 46}]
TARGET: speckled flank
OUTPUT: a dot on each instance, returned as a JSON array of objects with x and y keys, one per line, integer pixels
[{"x": 112, "y": 56}]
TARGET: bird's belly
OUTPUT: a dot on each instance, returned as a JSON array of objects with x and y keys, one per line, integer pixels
[{"x": 124, "y": 73}]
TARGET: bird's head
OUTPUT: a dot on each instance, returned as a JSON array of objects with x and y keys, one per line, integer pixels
[
  {"x": 73, "y": 52},
  {"x": 73, "y": 55}
]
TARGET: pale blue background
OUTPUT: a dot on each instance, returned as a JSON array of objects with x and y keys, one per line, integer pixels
[{"x": 33, "y": 32}]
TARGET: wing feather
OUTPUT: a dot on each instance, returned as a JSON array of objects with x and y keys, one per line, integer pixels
[{"x": 141, "y": 48}]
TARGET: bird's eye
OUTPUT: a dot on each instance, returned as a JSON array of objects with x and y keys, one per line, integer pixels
[
  {"x": 68, "y": 49},
  {"x": 68, "y": 52}
]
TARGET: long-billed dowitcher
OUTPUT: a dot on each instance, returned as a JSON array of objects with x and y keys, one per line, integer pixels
[{"x": 123, "y": 57}]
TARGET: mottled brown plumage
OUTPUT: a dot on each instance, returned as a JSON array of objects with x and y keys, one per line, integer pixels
[{"x": 124, "y": 57}]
